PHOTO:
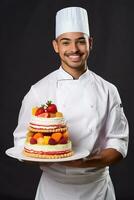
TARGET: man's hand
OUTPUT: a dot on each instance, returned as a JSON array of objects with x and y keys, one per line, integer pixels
[{"x": 105, "y": 158}]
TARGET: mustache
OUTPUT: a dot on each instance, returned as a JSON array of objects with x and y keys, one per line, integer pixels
[{"x": 73, "y": 54}]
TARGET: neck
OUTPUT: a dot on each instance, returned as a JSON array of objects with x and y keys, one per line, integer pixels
[{"x": 75, "y": 73}]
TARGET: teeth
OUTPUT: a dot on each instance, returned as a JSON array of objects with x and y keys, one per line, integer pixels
[{"x": 74, "y": 56}]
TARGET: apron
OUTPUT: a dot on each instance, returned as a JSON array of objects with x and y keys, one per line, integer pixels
[
  {"x": 96, "y": 185},
  {"x": 75, "y": 98}
]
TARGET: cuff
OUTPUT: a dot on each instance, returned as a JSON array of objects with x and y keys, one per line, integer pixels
[{"x": 120, "y": 145}]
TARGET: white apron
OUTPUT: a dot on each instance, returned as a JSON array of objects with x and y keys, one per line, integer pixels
[
  {"x": 63, "y": 185},
  {"x": 75, "y": 98}
]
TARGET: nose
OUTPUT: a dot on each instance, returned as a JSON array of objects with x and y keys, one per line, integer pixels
[{"x": 74, "y": 47}]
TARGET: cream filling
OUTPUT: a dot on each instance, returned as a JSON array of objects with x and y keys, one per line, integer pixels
[
  {"x": 42, "y": 127},
  {"x": 46, "y": 121},
  {"x": 49, "y": 148}
]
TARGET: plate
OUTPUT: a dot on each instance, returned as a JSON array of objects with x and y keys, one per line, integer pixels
[{"x": 16, "y": 152}]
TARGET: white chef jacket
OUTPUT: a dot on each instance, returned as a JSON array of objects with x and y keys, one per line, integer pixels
[{"x": 95, "y": 118}]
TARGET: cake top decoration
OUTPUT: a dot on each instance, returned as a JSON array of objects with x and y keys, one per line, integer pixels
[{"x": 46, "y": 110}]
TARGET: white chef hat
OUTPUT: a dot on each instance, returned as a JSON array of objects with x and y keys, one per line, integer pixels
[{"x": 72, "y": 19}]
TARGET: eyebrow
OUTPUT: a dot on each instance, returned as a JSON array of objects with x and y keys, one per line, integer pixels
[{"x": 80, "y": 38}]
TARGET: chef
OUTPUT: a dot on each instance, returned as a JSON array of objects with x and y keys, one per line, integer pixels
[{"x": 93, "y": 110}]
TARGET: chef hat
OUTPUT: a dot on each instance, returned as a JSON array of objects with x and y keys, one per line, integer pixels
[{"x": 72, "y": 19}]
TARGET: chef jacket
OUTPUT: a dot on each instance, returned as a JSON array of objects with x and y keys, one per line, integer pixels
[{"x": 95, "y": 118}]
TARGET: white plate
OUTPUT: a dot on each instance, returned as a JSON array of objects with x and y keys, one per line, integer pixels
[{"x": 16, "y": 152}]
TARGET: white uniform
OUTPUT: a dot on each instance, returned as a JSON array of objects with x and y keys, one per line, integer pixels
[{"x": 95, "y": 117}]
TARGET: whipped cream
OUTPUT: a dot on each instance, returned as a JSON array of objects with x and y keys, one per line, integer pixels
[
  {"x": 47, "y": 123},
  {"x": 48, "y": 148}
]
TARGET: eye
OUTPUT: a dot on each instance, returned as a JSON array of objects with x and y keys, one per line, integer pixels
[
  {"x": 65, "y": 43},
  {"x": 83, "y": 41}
]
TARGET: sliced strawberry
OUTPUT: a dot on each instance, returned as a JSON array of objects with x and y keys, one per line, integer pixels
[
  {"x": 39, "y": 111},
  {"x": 45, "y": 115}
]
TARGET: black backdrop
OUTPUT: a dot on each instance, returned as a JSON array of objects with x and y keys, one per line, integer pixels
[{"x": 27, "y": 30}]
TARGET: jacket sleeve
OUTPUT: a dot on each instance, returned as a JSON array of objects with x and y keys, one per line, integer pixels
[
  {"x": 117, "y": 129},
  {"x": 28, "y": 102}
]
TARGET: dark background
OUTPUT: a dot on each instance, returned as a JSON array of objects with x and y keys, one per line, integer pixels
[{"x": 27, "y": 29}]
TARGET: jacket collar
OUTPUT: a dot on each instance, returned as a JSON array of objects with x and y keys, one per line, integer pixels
[{"x": 63, "y": 75}]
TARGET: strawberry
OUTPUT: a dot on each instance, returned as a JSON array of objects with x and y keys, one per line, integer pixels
[
  {"x": 33, "y": 141},
  {"x": 39, "y": 111},
  {"x": 52, "y": 141},
  {"x": 51, "y": 108},
  {"x": 45, "y": 115},
  {"x": 63, "y": 140}
]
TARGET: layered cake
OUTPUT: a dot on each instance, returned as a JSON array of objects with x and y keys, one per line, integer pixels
[{"x": 48, "y": 135}]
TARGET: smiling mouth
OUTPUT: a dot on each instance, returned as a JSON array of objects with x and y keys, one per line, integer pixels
[{"x": 74, "y": 57}]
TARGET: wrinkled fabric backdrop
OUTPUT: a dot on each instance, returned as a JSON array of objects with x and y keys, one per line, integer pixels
[{"x": 27, "y": 31}]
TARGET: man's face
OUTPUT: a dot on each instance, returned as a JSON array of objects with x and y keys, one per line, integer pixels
[{"x": 73, "y": 49}]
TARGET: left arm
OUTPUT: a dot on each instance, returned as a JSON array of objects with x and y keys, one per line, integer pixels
[
  {"x": 116, "y": 140},
  {"x": 105, "y": 158}
]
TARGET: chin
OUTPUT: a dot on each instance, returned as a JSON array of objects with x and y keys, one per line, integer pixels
[{"x": 77, "y": 66}]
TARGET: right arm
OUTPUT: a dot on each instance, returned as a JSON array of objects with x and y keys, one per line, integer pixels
[{"x": 28, "y": 102}]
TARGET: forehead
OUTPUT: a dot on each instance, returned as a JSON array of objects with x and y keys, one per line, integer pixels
[{"x": 72, "y": 35}]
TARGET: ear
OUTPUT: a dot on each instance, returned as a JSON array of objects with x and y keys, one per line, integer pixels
[
  {"x": 91, "y": 43},
  {"x": 55, "y": 46}
]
